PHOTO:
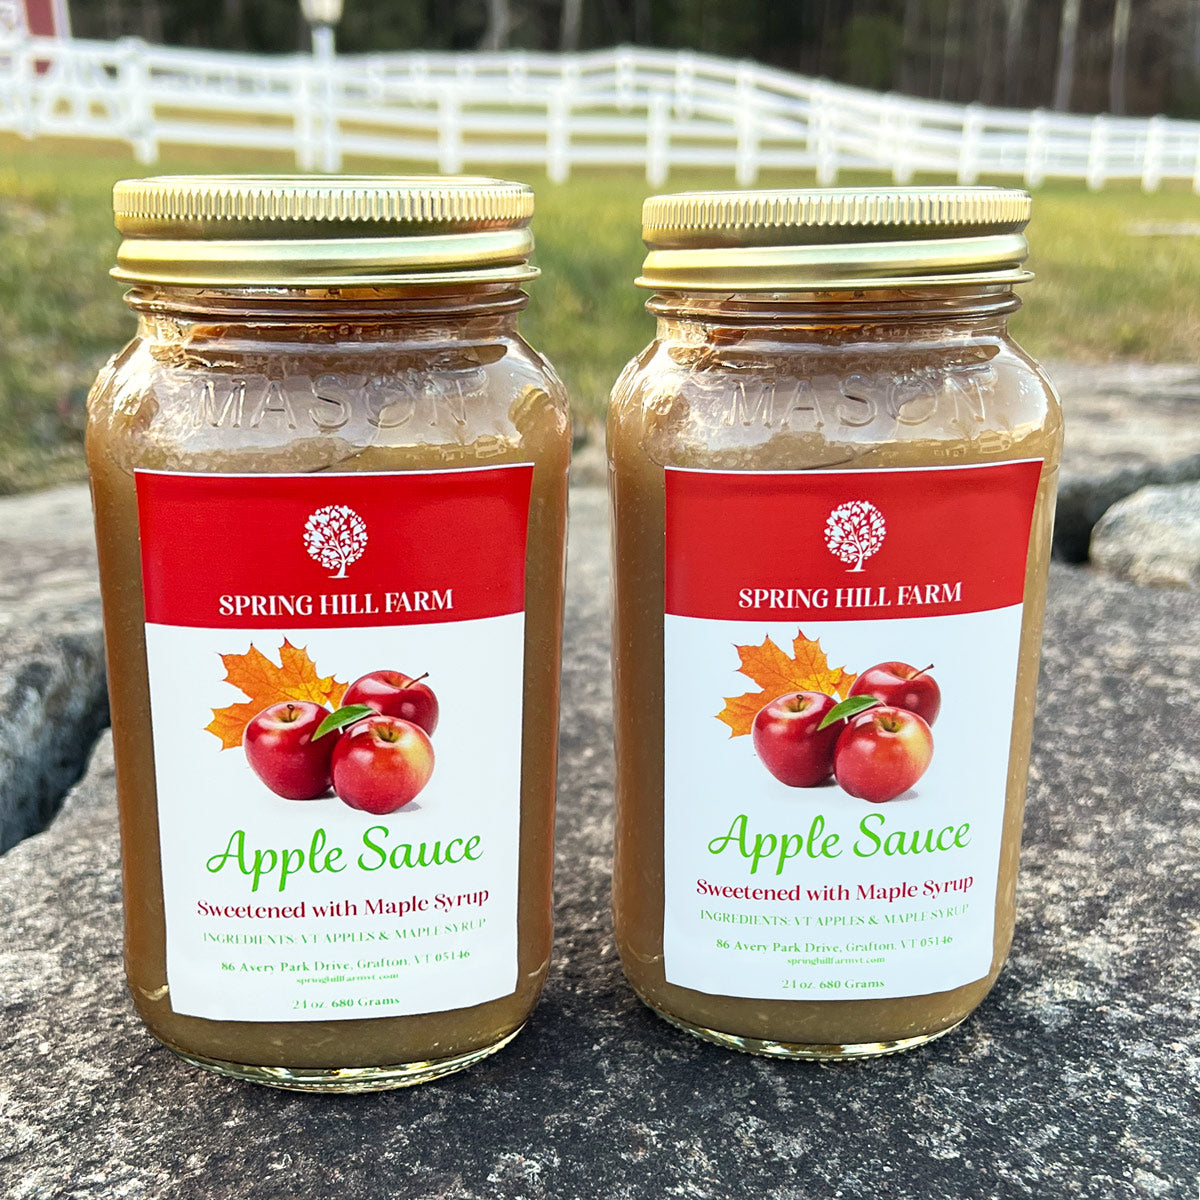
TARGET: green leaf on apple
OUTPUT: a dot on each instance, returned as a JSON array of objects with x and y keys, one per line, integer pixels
[
  {"x": 850, "y": 707},
  {"x": 342, "y": 718}
]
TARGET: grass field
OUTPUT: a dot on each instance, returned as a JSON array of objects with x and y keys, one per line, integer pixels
[{"x": 1102, "y": 291}]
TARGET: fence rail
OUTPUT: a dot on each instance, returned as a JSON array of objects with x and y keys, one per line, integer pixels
[{"x": 630, "y": 106}]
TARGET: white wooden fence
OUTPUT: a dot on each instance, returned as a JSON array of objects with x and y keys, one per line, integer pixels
[{"x": 625, "y": 107}]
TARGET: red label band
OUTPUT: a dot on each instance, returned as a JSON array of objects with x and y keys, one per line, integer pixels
[
  {"x": 848, "y": 545},
  {"x": 333, "y": 551}
]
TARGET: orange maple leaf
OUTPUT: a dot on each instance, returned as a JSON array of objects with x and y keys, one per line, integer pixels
[
  {"x": 777, "y": 674},
  {"x": 265, "y": 683}
]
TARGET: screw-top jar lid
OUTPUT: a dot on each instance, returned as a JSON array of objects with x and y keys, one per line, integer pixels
[
  {"x": 322, "y": 230},
  {"x": 840, "y": 239}
]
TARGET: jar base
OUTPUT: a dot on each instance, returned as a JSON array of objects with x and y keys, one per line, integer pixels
[
  {"x": 343, "y": 1080},
  {"x": 831, "y": 1052}
]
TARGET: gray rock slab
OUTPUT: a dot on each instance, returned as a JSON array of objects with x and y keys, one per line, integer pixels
[
  {"x": 52, "y": 699},
  {"x": 1152, "y": 537},
  {"x": 1076, "y": 1078},
  {"x": 1127, "y": 425},
  {"x": 589, "y": 463}
]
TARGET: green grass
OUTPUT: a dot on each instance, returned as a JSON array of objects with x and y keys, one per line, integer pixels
[{"x": 1101, "y": 291}]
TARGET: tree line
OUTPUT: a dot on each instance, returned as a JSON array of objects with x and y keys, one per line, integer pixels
[{"x": 1121, "y": 56}]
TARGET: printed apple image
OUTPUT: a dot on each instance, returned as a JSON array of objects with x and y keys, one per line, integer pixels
[
  {"x": 283, "y": 751},
  {"x": 396, "y": 695},
  {"x": 789, "y": 742},
  {"x": 901, "y": 686},
  {"x": 882, "y": 752},
  {"x": 380, "y": 764}
]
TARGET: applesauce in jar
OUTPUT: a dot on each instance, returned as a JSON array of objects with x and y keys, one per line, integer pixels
[
  {"x": 329, "y": 481},
  {"x": 832, "y": 478}
]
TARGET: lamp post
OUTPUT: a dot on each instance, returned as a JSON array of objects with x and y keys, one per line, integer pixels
[
  {"x": 322, "y": 140},
  {"x": 322, "y": 16}
]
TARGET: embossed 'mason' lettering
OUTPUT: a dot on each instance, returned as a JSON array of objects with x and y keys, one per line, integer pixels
[
  {"x": 245, "y": 402},
  {"x": 329, "y": 402},
  {"x": 223, "y": 407},
  {"x": 757, "y": 403},
  {"x": 751, "y": 405},
  {"x": 854, "y": 401},
  {"x": 272, "y": 401}
]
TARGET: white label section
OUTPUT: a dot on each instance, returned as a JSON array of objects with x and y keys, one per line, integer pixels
[
  {"x": 878, "y": 911},
  {"x": 370, "y": 932}
]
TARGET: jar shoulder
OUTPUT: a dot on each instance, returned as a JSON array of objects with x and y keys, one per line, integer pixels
[
  {"x": 278, "y": 408},
  {"x": 763, "y": 404}
]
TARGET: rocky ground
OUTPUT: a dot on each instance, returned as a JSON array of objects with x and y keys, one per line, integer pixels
[
  {"x": 1127, "y": 427},
  {"x": 1076, "y": 1078},
  {"x": 52, "y": 699}
]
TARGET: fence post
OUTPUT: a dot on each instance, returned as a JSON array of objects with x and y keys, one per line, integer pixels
[
  {"x": 1152, "y": 154},
  {"x": 1035, "y": 149},
  {"x": 745, "y": 118},
  {"x": 822, "y": 135},
  {"x": 330, "y": 93},
  {"x": 904, "y": 149},
  {"x": 22, "y": 85},
  {"x": 658, "y": 138},
  {"x": 558, "y": 132},
  {"x": 302, "y": 82},
  {"x": 1196, "y": 172},
  {"x": 449, "y": 131},
  {"x": 331, "y": 125},
  {"x": 517, "y": 77},
  {"x": 134, "y": 82},
  {"x": 885, "y": 133},
  {"x": 685, "y": 80},
  {"x": 968, "y": 146},
  {"x": 625, "y": 80},
  {"x": 569, "y": 79},
  {"x": 376, "y": 81},
  {"x": 418, "y": 72},
  {"x": 896, "y": 138},
  {"x": 84, "y": 80},
  {"x": 1097, "y": 158}
]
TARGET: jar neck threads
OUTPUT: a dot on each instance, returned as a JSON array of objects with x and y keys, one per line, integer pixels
[
  {"x": 972, "y": 306},
  {"x": 345, "y": 315}
]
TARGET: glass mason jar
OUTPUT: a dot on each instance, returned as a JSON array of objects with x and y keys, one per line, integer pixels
[
  {"x": 330, "y": 484},
  {"x": 832, "y": 482}
]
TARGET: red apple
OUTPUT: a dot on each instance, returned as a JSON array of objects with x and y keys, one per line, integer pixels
[
  {"x": 901, "y": 686},
  {"x": 381, "y": 763},
  {"x": 281, "y": 750},
  {"x": 789, "y": 743},
  {"x": 396, "y": 695},
  {"x": 882, "y": 752}
]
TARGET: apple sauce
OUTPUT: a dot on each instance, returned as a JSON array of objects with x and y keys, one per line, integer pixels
[
  {"x": 335, "y": 350},
  {"x": 824, "y": 358}
]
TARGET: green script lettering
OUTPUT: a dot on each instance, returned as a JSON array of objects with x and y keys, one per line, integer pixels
[
  {"x": 777, "y": 847},
  {"x": 906, "y": 842}
]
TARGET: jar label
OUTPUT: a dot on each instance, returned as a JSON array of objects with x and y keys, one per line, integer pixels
[
  {"x": 860, "y": 860},
  {"x": 371, "y": 871}
]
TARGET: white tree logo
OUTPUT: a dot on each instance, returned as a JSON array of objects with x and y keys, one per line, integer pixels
[
  {"x": 335, "y": 536},
  {"x": 854, "y": 531}
]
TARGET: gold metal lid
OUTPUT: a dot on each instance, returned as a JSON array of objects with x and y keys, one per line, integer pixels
[
  {"x": 834, "y": 239},
  {"x": 323, "y": 230}
]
